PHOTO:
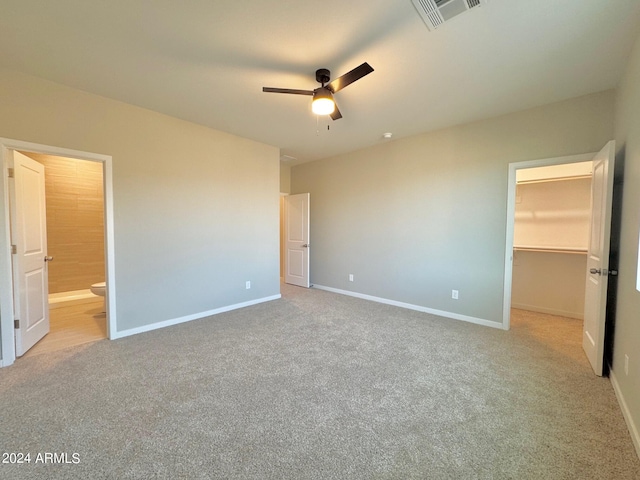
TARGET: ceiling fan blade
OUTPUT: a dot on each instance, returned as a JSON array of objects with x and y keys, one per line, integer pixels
[
  {"x": 350, "y": 77},
  {"x": 287, "y": 90},
  {"x": 336, "y": 115}
]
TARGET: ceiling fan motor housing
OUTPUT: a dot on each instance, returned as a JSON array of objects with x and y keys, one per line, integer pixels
[{"x": 323, "y": 75}]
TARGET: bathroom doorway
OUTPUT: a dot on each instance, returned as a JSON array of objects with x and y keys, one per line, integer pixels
[
  {"x": 81, "y": 214},
  {"x": 75, "y": 244}
]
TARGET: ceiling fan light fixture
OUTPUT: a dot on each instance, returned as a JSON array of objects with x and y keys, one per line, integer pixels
[{"x": 323, "y": 103}]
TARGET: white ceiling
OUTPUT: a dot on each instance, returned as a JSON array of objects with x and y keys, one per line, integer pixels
[{"x": 206, "y": 61}]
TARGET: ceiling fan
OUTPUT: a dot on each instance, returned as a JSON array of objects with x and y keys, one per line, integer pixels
[{"x": 323, "y": 102}]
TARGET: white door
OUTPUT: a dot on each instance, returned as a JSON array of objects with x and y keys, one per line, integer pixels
[
  {"x": 29, "y": 235},
  {"x": 595, "y": 303},
  {"x": 296, "y": 258}
]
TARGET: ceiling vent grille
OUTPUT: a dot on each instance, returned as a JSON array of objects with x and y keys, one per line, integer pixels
[{"x": 436, "y": 12}]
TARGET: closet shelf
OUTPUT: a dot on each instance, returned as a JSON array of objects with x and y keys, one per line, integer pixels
[{"x": 572, "y": 250}]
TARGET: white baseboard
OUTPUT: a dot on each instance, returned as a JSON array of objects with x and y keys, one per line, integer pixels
[
  {"x": 75, "y": 297},
  {"x": 440, "y": 313},
  {"x": 633, "y": 429},
  {"x": 550, "y": 311},
  {"x": 195, "y": 316}
]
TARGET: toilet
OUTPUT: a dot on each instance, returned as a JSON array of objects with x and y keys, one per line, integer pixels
[{"x": 100, "y": 289}]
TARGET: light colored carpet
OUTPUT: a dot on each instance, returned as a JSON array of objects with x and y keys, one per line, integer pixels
[{"x": 320, "y": 386}]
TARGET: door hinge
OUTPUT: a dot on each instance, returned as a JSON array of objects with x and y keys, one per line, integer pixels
[
  {"x": 11, "y": 172},
  {"x": 14, "y": 250},
  {"x": 16, "y": 323}
]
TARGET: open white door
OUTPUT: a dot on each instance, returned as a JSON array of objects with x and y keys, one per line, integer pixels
[
  {"x": 296, "y": 258},
  {"x": 595, "y": 303},
  {"x": 29, "y": 235}
]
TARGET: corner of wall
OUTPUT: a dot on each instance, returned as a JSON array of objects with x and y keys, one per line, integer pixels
[
  {"x": 627, "y": 329},
  {"x": 285, "y": 178}
]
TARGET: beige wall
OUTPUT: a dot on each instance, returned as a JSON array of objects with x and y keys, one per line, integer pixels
[
  {"x": 285, "y": 178},
  {"x": 196, "y": 210},
  {"x": 285, "y": 187},
  {"x": 75, "y": 222},
  {"x": 549, "y": 282},
  {"x": 627, "y": 328},
  {"x": 414, "y": 218},
  {"x": 553, "y": 214}
]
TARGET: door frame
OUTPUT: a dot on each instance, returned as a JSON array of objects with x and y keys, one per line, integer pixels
[
  {"x": 511, "y": 213},
  {"x": 8, "y": 352}
]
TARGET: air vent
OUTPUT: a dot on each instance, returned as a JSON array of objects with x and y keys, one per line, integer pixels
[{"x": 436, "y": 12}]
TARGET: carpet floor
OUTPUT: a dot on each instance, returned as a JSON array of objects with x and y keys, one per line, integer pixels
[{"x": 318, "y": 386}]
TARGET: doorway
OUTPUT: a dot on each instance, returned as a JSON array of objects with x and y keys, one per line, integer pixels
[
  {"x": 512, "y": 250},
  {"x": 295, "y": 243},
  {"x": 551, "y": 237},
  {"x": 7, "y": 304},
  {"x": 75, "y": 244},
  {"x": 598, "y": 260}
]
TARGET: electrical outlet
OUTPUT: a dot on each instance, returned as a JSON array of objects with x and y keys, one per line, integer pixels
[
  {"x": 248, "y": 285},
  {"x": 454, "y": 294},
  {"x": 351, "y": 277},
  {"x": 626, "y": 364}
]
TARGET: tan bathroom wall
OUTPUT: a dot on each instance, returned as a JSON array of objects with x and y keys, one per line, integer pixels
[{"x": 75, "y": 222}]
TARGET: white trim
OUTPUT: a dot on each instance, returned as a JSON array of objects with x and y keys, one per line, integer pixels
[
  {"x": 550, "y": 311},
  {"x": 74, "y": 297},
  {"x": 511, "y": 212},
  {"x": 419, "y": 308},
  {"x": 6, "y": 281},
  {"x": 626, "y": 413},
  {"x": 195, "y": 316},
  {"x": 109, "y": 248},
  {"x": 6, "y": 276}
]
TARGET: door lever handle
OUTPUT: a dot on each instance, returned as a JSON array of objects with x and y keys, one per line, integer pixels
[
  {"x": 306, "y": 245},
  {"x": 595, "y": 271},
  {"x": 48, "y": 259}
]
